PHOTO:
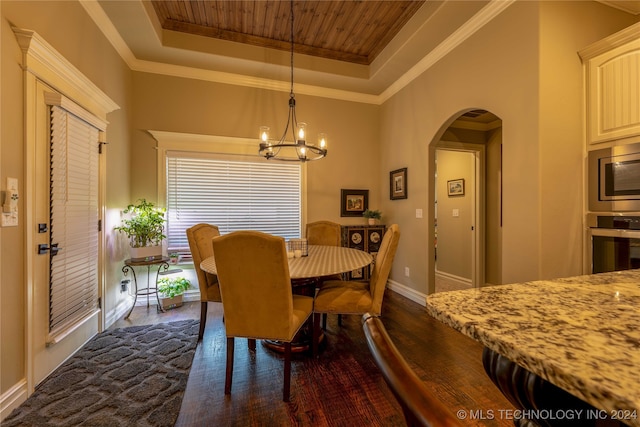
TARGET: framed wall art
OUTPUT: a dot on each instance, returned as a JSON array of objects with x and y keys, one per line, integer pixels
[
  {"x": 455, "y": 187},
  {"x": 398, "y": 184},
  {"x": 353, "y": 202}
]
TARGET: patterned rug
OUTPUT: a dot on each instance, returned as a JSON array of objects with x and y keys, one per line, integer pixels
[{"x": 122, "y": 377}]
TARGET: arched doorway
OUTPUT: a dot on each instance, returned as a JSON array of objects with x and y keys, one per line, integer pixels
[{"x": 466, "y": 198}]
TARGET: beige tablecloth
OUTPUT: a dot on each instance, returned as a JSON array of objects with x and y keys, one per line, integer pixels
[{"x": 321, "y": 261}]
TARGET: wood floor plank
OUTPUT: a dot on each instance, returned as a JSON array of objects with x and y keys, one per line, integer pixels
[{"x": 343, "y": 386}]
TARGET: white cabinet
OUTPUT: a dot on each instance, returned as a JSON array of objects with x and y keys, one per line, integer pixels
[{"x": 612, "y": 72}]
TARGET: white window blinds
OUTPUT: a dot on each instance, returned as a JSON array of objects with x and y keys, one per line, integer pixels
[
  {"x": 74, "y": 219},
  {"x": 234, "y": 195}
]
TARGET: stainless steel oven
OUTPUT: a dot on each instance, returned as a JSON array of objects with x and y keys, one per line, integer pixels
[
  {"x": 614, "y": 179},
  {"x": 615, "y": 242}
]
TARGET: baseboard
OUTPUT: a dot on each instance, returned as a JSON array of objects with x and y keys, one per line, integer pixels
[
  {"x": 117, "y": 312},
  {"x": 453, "y": 278},
  {"x": 12, "y": 398},
  {"x": 408, "y": 292}
]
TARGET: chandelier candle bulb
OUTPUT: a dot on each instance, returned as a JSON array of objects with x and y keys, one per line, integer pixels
[
  {"x": 301, "y": 132},
  {"x": 264, "y": 133},
  {"x": 322, "y": 140}
]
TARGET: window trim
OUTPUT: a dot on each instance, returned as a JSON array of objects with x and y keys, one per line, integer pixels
[{"x": 221, "y": 147}]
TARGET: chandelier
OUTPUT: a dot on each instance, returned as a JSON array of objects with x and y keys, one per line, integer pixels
[{"x": 299, "y": 149}]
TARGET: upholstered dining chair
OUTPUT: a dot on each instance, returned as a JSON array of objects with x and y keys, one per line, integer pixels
[
  {"x": 352, "y": 297},
  {"x": 200, "y": 237},
  {"x": 325, "y": 233},
  {"x": 257, "y": 299}
]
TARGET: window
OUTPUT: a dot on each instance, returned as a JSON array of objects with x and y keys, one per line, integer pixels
[
  {"x": 73, "y": 291},
  {"x": 233, "y": 193}
]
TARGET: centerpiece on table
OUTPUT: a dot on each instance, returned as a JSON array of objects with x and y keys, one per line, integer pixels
[
  {"x": 372, "y": 216},
  {"x": 145, "y": 230},
  {"x": 171, "y": 290}
]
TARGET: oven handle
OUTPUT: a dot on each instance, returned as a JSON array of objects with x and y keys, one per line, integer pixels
[{"x": 615, "y": 232}]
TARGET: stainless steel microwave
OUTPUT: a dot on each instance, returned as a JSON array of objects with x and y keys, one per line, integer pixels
[{"x": 614, "y": 179}]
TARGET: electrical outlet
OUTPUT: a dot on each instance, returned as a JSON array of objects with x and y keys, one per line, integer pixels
[
  {"x": 123, "y": 285},
  {"x": 406, "y": 271}
]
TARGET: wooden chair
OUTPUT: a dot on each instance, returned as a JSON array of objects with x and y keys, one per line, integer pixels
[
  {"x": 420, "y": 406},
  {"x": 351, "y": 297},
  {"x": 258, "y": 303},
  {"x": 325, "y": 233},
  {"x": 200, "y": 237}
]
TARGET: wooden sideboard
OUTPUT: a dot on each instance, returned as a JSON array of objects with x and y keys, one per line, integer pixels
[{"x": 366, "y": 238}]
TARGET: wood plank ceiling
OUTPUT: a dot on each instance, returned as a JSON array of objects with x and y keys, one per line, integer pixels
[{"x": 351, "y": 31}]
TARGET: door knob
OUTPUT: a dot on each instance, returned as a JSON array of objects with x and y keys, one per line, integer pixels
[{"x": 43, "y": 248}]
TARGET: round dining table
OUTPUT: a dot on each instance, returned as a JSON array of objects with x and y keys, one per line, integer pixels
[
  {"x": 305, "y": 271},
  {"x": 321, "y": 261}
]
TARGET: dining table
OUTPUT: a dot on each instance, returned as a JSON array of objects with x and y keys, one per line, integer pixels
[
  {"x": 320, "y": 261},
  {"x": 564, "y": 351},
  {"x": 305, "y": 272}
]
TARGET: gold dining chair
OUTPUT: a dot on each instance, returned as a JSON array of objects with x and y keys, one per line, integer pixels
[
  {"x": 200, "y": 237},
  {"x": 257, "y": 299},
  {"x": 352, "y": 297},
  {"x": 325, "y": 233}
]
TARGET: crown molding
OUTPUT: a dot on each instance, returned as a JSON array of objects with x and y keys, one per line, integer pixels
[
  {"x": 47, "y": 64},
  {"x": 485, "y": 15}
]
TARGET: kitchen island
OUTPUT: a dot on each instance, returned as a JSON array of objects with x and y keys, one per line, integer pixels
[{"x": 579, "y": 334}]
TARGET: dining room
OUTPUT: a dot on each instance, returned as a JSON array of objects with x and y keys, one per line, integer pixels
[{"x": 382, "y": 121}]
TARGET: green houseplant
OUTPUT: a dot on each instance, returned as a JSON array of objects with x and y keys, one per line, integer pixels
[
  {"x": 372, "y": 215},
  {"x": 171, "y": 290},
  {"x": 144, "y": 228}
]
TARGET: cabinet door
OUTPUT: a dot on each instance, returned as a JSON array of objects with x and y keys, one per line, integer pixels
[
  {"x": 374, "y": 238},
  {"x": 356, "y": 238},
  {"x": 613, "y": 93}
]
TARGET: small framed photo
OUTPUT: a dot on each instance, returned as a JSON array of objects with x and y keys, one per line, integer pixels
[
  {"x": 455, "y": 187},
  {"x": 353, "y": 202},
  {"x": 398, "y": 184}
]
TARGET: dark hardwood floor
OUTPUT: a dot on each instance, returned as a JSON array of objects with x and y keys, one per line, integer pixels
[{"x": 343, "y": 386}]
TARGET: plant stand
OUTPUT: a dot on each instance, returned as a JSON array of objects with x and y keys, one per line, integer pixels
[{"x": 162, "y": 264}]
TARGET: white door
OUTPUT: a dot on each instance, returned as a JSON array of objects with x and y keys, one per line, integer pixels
[{"x": 46, "y": 350}]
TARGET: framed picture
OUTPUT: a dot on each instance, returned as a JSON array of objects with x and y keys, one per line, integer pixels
[
  {"x": 353, "y": 202},
  {"x": 455, "y": 187},
  {"x": 398, "y": 184}
]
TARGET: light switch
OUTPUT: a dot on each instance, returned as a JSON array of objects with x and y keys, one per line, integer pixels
[
  {"x": 456, "y": 213},
  {"x": 10, "y": 204},
  {"x": 418, "y": 213}
]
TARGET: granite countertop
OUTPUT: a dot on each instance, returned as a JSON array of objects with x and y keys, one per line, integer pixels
[{"x": 580, "y": 333}]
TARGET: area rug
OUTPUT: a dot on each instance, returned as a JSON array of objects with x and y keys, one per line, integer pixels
[{"x": 134, "y": 376}]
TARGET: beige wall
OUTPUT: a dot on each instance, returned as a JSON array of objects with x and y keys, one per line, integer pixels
[
  {"x": 507, "y": 67},
  {"x": 193, "y": 106},
  {"x": 454, "y": 232}
]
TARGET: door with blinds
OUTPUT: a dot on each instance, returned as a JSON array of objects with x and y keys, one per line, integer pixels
[{"x": 65, "y": 305}]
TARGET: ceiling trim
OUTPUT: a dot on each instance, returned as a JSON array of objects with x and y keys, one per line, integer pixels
[{"x": 100, "y": 18}]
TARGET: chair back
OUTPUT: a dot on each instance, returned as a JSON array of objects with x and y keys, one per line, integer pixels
[
  {"x": 421, "y": 407},
  {"x": 200, "y": 237},
  {"x": 325, "y": 233},
  {"x": 382, "y": 267},
  {"x": 253, "y": 272}
]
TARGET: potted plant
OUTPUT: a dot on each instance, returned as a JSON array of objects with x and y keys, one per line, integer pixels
[
  {"x": 170, "y": 290},
  {"x": 144, "y": 228},
  {"x": 372, "y": 215}
]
